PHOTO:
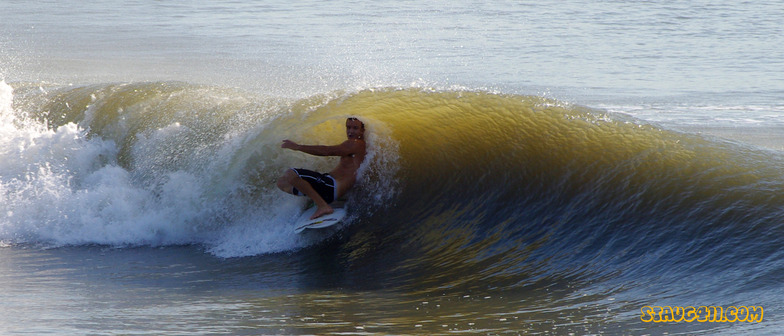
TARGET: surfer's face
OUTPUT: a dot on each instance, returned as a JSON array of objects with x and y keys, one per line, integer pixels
[{"x": 355, "y": 129}]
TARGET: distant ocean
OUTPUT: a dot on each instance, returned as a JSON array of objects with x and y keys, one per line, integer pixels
[{"x": 546, "y": 168}]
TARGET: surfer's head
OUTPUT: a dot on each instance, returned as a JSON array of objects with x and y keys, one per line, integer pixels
[{"x": 355, "y": 128}]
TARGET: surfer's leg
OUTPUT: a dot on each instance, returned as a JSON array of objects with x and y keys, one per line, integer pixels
[
  {"x": 284, "y": 182},
  {"x": 291, "y": 180}
]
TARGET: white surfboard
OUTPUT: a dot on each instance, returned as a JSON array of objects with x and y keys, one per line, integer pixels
[{"x": 304, "y": 222}]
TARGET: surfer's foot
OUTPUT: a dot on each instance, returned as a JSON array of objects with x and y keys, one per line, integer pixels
[{"x": 321, "y": 211}]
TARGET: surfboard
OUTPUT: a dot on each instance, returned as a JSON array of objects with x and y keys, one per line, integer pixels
[{"x": 305, "y": 223}]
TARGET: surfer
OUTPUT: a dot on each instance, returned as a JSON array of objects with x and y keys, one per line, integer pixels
[{"x": 323, "y": 189}]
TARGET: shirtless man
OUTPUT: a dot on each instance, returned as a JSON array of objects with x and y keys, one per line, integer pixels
[{"x": 326, "y": 188}]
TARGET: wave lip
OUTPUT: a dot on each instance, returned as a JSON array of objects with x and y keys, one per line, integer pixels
[{"x": 173, "y": 163}]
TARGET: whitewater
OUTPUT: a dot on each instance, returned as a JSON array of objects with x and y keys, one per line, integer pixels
[{"x": 532, "y": 168}]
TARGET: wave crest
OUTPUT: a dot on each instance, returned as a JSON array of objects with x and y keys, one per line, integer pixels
[{"x": 174, "y": 163}]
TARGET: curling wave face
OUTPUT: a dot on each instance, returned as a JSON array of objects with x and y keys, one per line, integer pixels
[
  {"x": 503, "y": 191},
  {"x": 501, "y": 184}
]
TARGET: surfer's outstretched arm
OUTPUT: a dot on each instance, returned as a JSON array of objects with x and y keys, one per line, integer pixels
[{"x": 348, "y": 147}]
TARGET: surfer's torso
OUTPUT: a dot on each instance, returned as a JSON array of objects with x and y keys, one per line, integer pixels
[{"x": 345, "y": 173}]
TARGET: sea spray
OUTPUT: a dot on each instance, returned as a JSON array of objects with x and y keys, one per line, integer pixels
[{"x": 167, "y": 163}]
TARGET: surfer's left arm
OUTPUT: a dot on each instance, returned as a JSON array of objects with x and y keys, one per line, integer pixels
[{"x": 348, "y": 147}]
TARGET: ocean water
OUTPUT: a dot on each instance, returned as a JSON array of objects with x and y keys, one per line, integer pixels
[{"x": 547, "y": 168}]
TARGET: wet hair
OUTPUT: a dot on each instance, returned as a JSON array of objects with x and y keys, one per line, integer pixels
[{"x": 352, "y": 119}]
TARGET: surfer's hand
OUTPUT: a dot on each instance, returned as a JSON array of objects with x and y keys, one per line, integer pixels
[{"x": 289, "y": 144}]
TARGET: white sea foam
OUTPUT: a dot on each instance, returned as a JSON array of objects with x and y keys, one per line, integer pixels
[
  {"x": 174, "y": 180},
  {"x": 63, "y": 187}
]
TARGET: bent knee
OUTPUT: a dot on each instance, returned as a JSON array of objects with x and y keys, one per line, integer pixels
[
  {"x": 285, "y": 182},
  {"x": 289, "y": 176}
]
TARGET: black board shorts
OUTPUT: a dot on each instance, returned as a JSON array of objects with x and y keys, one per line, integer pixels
[{"x": 324, "y": 184}]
